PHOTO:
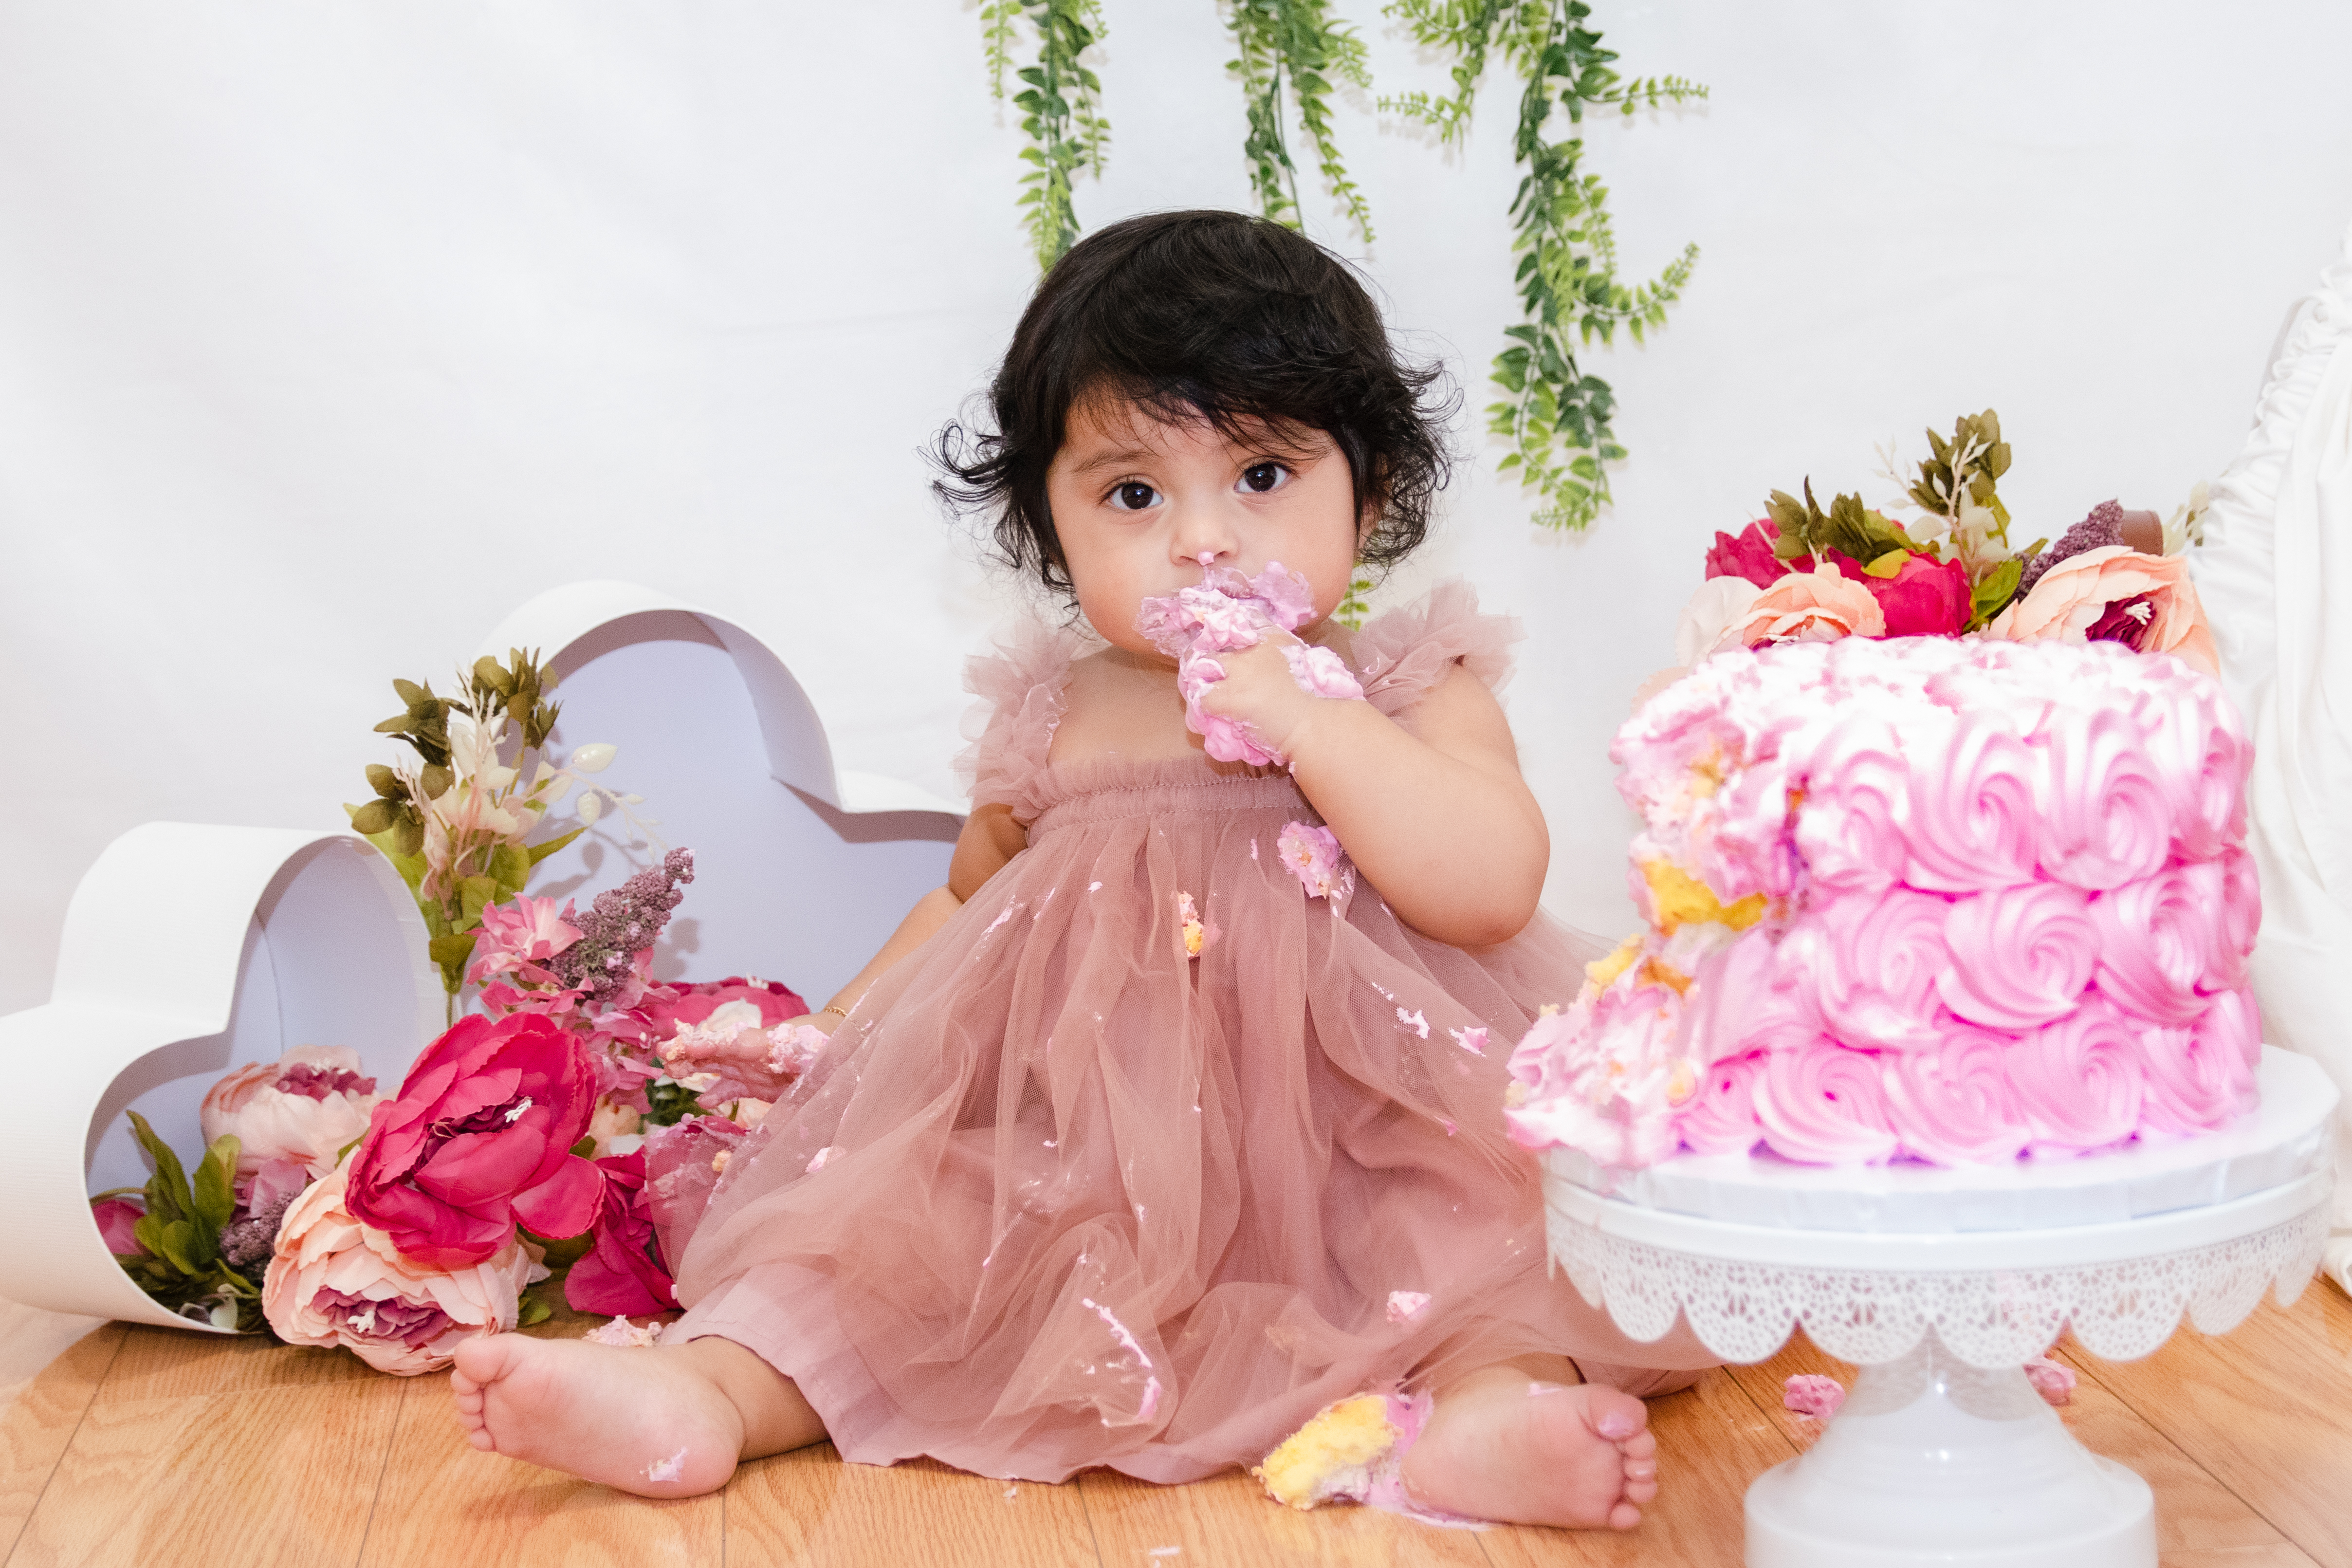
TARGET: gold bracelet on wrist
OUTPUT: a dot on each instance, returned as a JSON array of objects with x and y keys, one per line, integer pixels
[{"x": 833, "y": 1008}]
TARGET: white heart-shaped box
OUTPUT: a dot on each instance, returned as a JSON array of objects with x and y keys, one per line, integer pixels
[{"x": 191, "y": 949}]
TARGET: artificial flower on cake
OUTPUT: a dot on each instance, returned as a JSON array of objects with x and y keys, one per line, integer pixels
[{"x": 1938, "y": 563}]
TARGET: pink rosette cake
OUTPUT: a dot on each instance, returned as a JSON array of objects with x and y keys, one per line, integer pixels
[{"x": 1949, "y": 900}]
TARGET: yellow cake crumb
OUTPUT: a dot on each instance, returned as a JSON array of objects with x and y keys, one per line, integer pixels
[
  {"x": 1331, "y": 1455},
  {"x": 1656, "y": 972},
  {"x": 1603, "y": 972},
  {"x": 1678, "y": 898}
]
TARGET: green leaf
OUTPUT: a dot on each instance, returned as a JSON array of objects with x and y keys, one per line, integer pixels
[
  {"x": 450, "y": 952},
  {"x": 541, "y": 851},
  {"x": 168, "y": 1197},
  {"x": 1888, "y": 564},
  {"x": 214, "y": 1187},
  {"x": 376, "y": 817},
  {"x": 1993, "y": 591},
  {"x": 509, "y": 869}
]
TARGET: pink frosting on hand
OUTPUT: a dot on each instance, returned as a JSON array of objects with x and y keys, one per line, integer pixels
[
  {"x": 1226, "y": 612},
  {"x": 1822, "y": 1104},
  {"x": 2019, "y": 956},
  {"x": 1955, "y": 1103},
  {"x": 2080, "y": 1081}
]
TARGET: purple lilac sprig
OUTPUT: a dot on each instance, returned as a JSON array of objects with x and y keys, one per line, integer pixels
[{"x": 621, "y": 923}]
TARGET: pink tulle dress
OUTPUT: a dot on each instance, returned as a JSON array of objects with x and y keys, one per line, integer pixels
[{"x": 1060, "y": 1195}]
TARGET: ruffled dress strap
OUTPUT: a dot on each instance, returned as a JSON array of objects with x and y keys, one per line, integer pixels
[
  {"x": 1022, "y": 687},
  {"x": 1402, "y": 656}
]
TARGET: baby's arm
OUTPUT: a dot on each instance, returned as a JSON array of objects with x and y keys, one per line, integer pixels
[
  {"x": 1438, "y": 819},
  {"x": 990, "y": 840}
]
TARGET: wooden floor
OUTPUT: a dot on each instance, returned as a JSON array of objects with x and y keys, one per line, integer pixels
[{"x": 145, "y": 1447}]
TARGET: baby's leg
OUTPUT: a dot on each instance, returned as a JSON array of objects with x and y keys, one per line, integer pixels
[
  {"x": 1529, "y": 1442},
  {"x": 670, "y": 1421}
]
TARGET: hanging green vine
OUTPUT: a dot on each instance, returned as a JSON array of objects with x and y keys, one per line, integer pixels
[
  {"x": 1556, "y": 417},
  {"x": 1294, "y": 42},
  {"x": 1061, "y": 110}
]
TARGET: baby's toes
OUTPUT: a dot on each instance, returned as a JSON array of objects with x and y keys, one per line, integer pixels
[
  {"x": 1641, "y": 1448},
  {"x": 1642, "y": 1490},
  {"x": 1624, "y": 1516}
]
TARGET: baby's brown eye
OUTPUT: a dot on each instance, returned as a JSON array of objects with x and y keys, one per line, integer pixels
[
  {"x": 1262, "y": 477},
  {"x": 1133, "y": 496}
]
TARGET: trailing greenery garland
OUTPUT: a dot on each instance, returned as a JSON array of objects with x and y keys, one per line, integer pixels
[
  {"x": 1557, "y": 417},
  {"x": 1061, "y": 109},
  {"x": 1296, "y": 39}
]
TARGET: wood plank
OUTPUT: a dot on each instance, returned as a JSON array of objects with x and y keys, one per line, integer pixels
[
  {"x": 809, "y": 1508},
  {"x": 278, "y": 1475},
  {"x": 173, "y": 1363},
  {"x": 445, "y": 1501},
  {"x": 1712, "y": 1441},
  {"x": 2266, "y": 1409},
  {"x": 1229, "y": 1522},
  {"x": 38, "y": 1425}
]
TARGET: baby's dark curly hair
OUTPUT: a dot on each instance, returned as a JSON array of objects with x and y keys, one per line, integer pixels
[{"x": 1203, "y": 315}]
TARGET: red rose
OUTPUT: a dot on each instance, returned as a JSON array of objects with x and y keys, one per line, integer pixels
[
  {"x": 622, "y": 1276},
  {"x": 479, "y": 1138},
  {"x": 1751, "y": 555}
]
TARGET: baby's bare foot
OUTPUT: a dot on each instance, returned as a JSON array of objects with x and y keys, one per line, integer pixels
[
  {"x": 1504, "y": 1447},
  {"x": 644, "y": 1421}
]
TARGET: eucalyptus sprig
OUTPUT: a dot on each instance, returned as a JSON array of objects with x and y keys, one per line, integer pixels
[
  {"x": 1061, "y": 110},
  {"x": 1556, "y": 418},
  {"x": 1296, "y": 43}
]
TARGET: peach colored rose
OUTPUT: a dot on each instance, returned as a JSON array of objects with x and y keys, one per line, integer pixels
[
  {"x": 306, "y": 1107},
  {"x": 1820, "y": 605},
  {"x": 2073, "y": 596},
  {"x": 334, "y": 1281}
]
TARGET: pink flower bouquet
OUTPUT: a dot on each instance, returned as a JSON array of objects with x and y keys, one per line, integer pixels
[
  {"x": 336, "y": 1281},
  {"x": 1804, "y": 573},
  {"x": 479, "y": 1139}
]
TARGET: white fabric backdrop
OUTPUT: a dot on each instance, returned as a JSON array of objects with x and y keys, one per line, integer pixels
[{"x": 328, "y": 334}]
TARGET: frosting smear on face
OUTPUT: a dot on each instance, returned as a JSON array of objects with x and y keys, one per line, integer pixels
[{"x": 1917, "y": 898}]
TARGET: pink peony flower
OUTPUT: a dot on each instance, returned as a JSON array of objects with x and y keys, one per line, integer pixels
[
  {"x": 1928, "y": 598},
  {"x": 1810, "y": 1393},
  {"x": 117, "y": 1220},
  {"x": 527, "y": 931},
  {"x": 1749, "y": 555},
  {"x": 335, "y": 1281},
  {"x": 479, "y": 1139},
  {"x": 623, "y": 1274},
  {"x": 307, "y": 1106},
  {"x": 2075, "y": 597},
  {"x": 1820, "y": 605},
  {"x": 1313, "y": 855}
]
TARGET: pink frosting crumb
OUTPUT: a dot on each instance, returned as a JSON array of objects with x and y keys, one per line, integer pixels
[
  {"x": 1811, "y": 1393},
  {"x": 2054, "y": 1381}
]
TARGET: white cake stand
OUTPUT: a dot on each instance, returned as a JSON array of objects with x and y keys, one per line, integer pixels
[{"x": 1942, "y": 1284}]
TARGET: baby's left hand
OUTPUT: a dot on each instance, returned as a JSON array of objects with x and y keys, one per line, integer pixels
[{"x": 1258, "y": 691}]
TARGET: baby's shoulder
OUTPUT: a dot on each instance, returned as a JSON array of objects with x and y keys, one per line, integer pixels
[{"x": 1408, "y": 653}]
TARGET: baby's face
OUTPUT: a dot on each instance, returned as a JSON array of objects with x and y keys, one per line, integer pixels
[{"x": 1138, "y": 503}]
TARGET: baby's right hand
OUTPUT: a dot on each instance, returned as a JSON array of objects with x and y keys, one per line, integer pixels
[{"x": 751, "y": 1063}]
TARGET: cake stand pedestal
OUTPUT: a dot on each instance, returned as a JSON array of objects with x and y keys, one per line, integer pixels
[{"x": 1943, "y": 1453}]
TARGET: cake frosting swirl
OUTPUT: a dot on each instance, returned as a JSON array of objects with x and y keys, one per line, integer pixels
[{"x": 1918, "y": 898}]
